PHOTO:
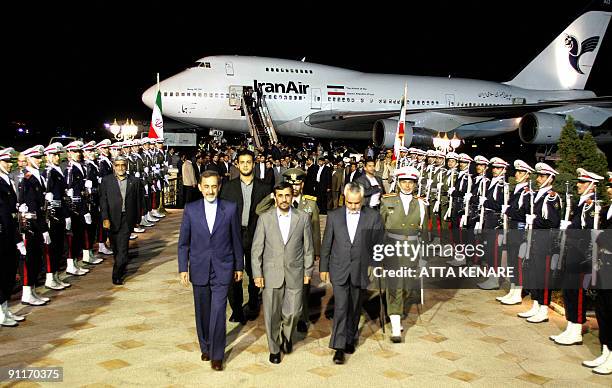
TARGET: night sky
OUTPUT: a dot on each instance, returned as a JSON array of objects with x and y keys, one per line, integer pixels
[{"x": 74, "y": 67}]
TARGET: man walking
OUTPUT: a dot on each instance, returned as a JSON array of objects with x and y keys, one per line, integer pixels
[
  {"x": 282, "y": 262},
  {"x": 120, "y": 203},
  {"x": 210, "y": 256}
]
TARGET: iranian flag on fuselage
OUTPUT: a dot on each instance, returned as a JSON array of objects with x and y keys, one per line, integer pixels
[{"x": 156, "y": 129}]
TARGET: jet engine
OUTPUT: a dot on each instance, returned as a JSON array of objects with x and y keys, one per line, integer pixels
[
  {"x": 383, "y": 134},
  {"x": 541, "y": 128}
]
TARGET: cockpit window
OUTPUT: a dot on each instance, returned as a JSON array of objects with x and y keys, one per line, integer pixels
[{"x": 205, "y": 65}]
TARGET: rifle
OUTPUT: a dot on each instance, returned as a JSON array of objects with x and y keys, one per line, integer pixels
[
  {"x": 504, "y": 253},
  {"x": 466, "y": 209},
  {"x": 450, "y": 198},
  {"x": 594, "y": 245},
  {"x": 436, "y": 209},
  {"x": 568, "y": 206},
  {"x": 481, "y": 190},
  {"x": 529, "y": 226},
  {"x": 429, "y": 183}
]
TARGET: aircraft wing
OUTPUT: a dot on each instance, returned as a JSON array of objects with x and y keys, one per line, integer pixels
[{"x": 358, "y": 120}]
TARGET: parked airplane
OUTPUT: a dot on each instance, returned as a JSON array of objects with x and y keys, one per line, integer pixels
[{"x": 312, "y": 100}]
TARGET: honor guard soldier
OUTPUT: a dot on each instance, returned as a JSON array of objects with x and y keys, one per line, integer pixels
[
  {"x": 542, "y": 218},
  {"x": 10, "y": 238},
  {"x": 75, "y": 182},
  {"x": 105, "y": 167},
  {"x": 58, "y": 216},
  {"x": 34, "y": 226},
  {"x": 92, "y": 202},
  {"x": 105, "y": 164},
  {"x": 460, "y": 207},
  {"x": 405, "y": 219},
  {"x": 576, "y": 263},
  {"x": 435, "y": 195},
  {"x": 308, "y": 204},
  {"x": 163, "y": 160},
  {"x": 446, "y": 206},
  {"x": 403, "y": 159},
  {"x": 412, "y": 156},
  {"x": 139, "y": 172},
  {"x": 148, "y": 180},
  {"x": 114, "y": 149},
  {"x": 491, "y": 203},
  {"x": 157, "y": 156},
  {"x": 515, "y": 211},
  {"x": 603, "y": 307}
]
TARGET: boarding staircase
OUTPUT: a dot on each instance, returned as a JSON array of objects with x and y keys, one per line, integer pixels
[{"x": 260, "y": 121}]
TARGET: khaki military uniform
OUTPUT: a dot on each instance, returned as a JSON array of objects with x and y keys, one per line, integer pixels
[{"x": 401, "y": 226}]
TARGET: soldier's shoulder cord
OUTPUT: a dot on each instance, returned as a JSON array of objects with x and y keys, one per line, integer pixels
[
  {"x": 390, "y": 195},
  {"x": 310, "y": 197}
]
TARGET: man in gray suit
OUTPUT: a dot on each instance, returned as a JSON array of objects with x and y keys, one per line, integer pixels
[
  {"x": 346, "y": 253},
  {"x": 278, "y": 172},
  {"x": 282, "y": 262}
]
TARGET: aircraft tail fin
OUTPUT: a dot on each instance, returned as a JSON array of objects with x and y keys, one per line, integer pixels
[{"x": 567, "y": 62}]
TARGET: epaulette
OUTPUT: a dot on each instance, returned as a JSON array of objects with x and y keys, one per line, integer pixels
[
  {"x": 389, "y": 195},
  {"x": 310, "y": 197}
]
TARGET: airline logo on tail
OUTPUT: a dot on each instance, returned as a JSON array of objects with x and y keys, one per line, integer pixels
[{"x": 586, "y": 46}]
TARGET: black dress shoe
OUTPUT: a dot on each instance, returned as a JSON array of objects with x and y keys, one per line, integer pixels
[
  {"x": 205, "y": 357},
  {"x": 302, "y": 327},
  {"x": 275, "y": 358},
  {"x": 339, "y": 357},
  {"x": 117, "y": 282},
  {"x": 287, "y": 345},
  {"x": 349, "y": 348},
  {"x": 238, "y": 318},
  {"x": 396, "y": 339},
  {"x": 251, "y": 313},
  {"x": 217, "y": 365}
]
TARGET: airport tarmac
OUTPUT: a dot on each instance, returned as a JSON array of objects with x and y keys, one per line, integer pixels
[{"x": 143, "y": 334}]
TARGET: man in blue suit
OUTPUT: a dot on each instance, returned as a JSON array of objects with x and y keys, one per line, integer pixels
[{"x": 210, "y": 255}]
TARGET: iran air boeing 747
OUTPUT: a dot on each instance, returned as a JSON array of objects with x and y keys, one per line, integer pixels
[{"x": 312, "y": 100}]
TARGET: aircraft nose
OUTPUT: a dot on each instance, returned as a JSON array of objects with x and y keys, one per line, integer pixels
[{"x": 148, "y": 97}]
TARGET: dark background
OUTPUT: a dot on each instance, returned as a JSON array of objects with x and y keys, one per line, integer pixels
[{"x": 73, "y": 67}]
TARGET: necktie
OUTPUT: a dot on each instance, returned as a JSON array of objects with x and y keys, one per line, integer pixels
[{"x": 295, "y": 204}]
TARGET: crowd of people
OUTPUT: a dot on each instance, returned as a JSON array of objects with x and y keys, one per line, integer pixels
[
  {"x": 57, "y": 216},
  {"x": 262, "y": 210},
  {"x": 422, "y": 196}
]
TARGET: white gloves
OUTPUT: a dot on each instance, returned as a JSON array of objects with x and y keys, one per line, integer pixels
[
  {"x": 447, "y": 214},
  {"x": 137, "y": 175},
  {"x": 68, "y": 223},
  {"x": 463, "y": 221},
  {"x": 21, "y": 247},
  {"x": 565, "y": 224},
  {"x": 23, "y": 208},
  {"x": 530, "y": 218},
  {"x": 146, "y": 169},
  {"x": 46, "y": 238},
  {"x": 88, "y": 184},
  {"x": 88, "y": 218},
  {"x": 482, "y": 200},
  {"x": 49, "y": 197},
  {"x": 159, "y": 185},
  {"x": 436, "y": 207},
  {"x": 467, "y": 197},
  {"x": 522, "y": 250},
  {"x": 477, "y": 227},
  {"x": 451, "y": 190},
  {"x": 70, "y": 192},
  {"x": 554, "y": 262},
  {"x": 504, "y": 209}
]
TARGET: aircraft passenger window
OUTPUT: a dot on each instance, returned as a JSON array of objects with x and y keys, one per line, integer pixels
[
  {"x": 362, "y": 100},
  {"x": 216, "y": 95},
  {"x": 334, "y": 99},
  {"x": 380, "y": 101},
  {"x": 170, "y": 94},
  {"x": 207, "y": 65},
  {"x": 275, "y": 96},
  {"x": 226, "y": 95},
  {"x": 318, "y": 98},
  {"x": 182, "y": 94},
  {"x": 310, "y": 71},
  {"x": 301, "y": 71},
  {"x": 267, "y": 69},
  {"x": 292, "y": 70},
  {"x": 285, "y": 97},
  {"x": 282, "y": 70}
]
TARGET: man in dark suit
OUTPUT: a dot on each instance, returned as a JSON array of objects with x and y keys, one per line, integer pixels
[
  {"x": 372, "y": 184},
  {"x": 350, "y": 235},
  {"x": 246, "y": 192},
  {"x": 210, "y": 255},
  {"x": 352, "y": 174},
  {"x": 120, "y": 206},
  {"x": 323, "y": 184}
]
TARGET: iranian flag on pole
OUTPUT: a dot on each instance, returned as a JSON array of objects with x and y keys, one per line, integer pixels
[
  {"x": 401, "y": 124},
  {"x": 156, "y": 129}
]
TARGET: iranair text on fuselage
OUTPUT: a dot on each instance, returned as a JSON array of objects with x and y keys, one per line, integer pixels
[{"x": 290, "y": 87}]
